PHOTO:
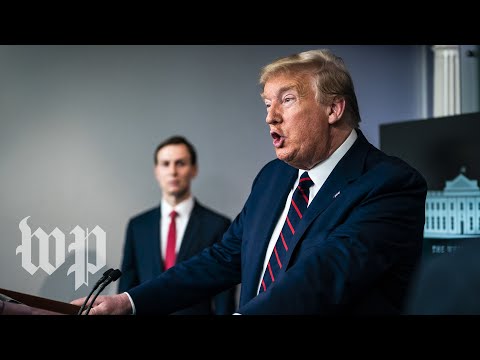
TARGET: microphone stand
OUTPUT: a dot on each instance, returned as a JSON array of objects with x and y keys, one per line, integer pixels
[
  {"x": 113, "y": 276},
  {"x": 101, "y": 280}
]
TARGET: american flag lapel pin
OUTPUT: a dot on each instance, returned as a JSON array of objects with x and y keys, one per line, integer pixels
[{"x": 338, "y": 193}]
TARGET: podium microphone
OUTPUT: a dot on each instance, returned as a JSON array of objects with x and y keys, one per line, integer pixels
[
  {"x": 112, "y": 276},
  {"x": 101, "y": 280}
]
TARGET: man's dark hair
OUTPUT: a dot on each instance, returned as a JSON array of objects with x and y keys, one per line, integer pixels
[{"x": 175, "y": 140}]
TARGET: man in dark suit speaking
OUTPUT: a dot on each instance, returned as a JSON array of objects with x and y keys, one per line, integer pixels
[
  {"x": 176, "y": 230},
  {"x": 333, "y": 226}
]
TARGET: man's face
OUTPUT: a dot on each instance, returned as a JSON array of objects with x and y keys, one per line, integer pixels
[
  {"x": 298, "y": 123},
  {"x": 174, "y": 171}
]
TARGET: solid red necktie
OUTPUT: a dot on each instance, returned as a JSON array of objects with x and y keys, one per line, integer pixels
[
  {"x": 170, "y": 254},
  {"x": 298, "y": 207}
]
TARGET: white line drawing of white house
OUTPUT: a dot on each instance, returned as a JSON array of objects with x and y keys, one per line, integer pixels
[{"x": 453, "y": 212}]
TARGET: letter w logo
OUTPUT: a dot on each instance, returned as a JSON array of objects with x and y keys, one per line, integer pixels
[{"x": 43, "y": 237}]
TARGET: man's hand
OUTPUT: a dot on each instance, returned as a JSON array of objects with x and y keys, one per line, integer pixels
[{"x": 108, "y": 305}]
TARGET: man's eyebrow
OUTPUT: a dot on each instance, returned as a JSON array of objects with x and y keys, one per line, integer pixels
[
  {"x": 281, "y": 90},
  {"x": 177, "y": 159}
]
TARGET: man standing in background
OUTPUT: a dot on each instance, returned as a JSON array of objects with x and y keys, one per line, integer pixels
[{"x": 179, "y": 228}]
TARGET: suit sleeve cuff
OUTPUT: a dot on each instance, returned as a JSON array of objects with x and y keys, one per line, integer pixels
[{"x": 134, "y": 311}]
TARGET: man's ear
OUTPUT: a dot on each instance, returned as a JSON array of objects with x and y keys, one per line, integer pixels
[
  {"x": 336, "y": 109},
  {"x": 195, "y": 171}
]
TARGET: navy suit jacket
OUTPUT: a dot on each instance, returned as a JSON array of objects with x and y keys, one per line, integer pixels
[
  {"x": 355, "y": 250},
  {"x": 142, "y": 254}
]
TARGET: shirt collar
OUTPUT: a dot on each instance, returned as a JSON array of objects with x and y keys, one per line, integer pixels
[
  {"x": 183, "y": 209},
  {"x": 321, "y": 171}
]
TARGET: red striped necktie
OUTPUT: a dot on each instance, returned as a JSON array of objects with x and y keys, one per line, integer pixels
[{"x": 282, "y": 247}]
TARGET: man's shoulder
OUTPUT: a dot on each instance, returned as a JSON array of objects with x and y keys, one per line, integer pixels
[
  {"x": 146, "y": 214},
  {"x": 210, "y": 213},
  {"x": 403, "y": 168},
  {"x": 379, "y": 161},
  {"x": 377, "y": 158}
]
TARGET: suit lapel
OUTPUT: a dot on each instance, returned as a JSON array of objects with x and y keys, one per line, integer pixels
[
  {"x": 349, "y": 168},
  {"x": 153, "y": 233},
  {"x": 274, "y": 208},
  {"x": 191, "y": 231},
  {"x": 267, "y": 215}
]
